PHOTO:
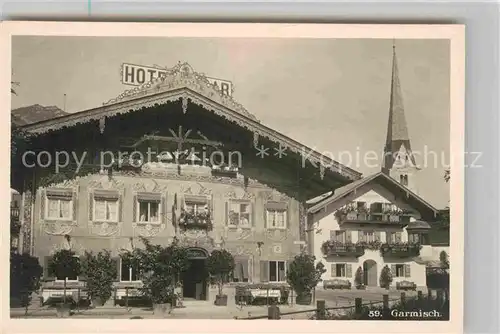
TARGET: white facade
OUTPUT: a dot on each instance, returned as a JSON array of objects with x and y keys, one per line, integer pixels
[{"x": 326, "y": 225}]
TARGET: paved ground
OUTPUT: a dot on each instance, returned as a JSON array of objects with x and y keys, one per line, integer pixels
[{"x": 206, "y": 310}]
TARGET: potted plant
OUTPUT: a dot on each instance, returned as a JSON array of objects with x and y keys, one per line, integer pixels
[
  {"x": 65, "y": 264},
  {"x": 359, "y": 279},
  {"x": 100, "y": 271},
  {"x": 303, "y": 276},
  {"x": 25, "y": 273},
  {"x": 220, "y": 266},
  {"x": 160, "y": 268},
  {"x": 385, "y": 277}
]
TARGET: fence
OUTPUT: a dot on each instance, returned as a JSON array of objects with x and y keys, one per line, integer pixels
[{"x": 368, "y": 311}]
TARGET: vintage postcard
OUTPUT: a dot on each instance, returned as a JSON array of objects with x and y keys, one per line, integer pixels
[{"x": 301, "y": 173}]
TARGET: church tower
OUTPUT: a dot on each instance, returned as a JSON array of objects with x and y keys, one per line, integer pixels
[{"x": 399, "y": 161}]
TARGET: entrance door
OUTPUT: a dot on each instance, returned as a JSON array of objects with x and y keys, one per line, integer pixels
[
  {"x": 370, "y": 273},
  {"x": 194, "y": 280}
]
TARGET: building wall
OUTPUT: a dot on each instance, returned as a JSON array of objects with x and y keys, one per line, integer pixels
[
  {"x": 87, "y": 235},
  {"x": 326, "y": 222}
]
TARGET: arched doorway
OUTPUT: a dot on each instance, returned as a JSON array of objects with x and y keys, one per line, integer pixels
[
  {"x": 370, "y": 273},
  {"x": 194, "y": 279}
]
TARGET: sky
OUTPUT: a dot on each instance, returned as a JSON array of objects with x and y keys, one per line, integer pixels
[{"x": 329, "y": 94}]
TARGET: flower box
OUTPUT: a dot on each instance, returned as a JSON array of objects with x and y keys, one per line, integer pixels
[
  {"x": 406, "y": 285},
  {"x": 337, "y": 284}
]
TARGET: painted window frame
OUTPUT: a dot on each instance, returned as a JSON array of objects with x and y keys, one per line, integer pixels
[
  {"x": 46, "y": 209},
  {"x": 274, "y": 212},
  {"x": 149, "y": 202},
  {"x": 277, "y": 262},
  {"x": 94, "y": 207},
  {"x": 250, "y": 213}
]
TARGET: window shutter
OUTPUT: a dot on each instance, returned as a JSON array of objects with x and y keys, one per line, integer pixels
[
  {"x": 407, "y": 270},
  {"x": 120, "y": 208},
  {"x": 116, "y": 262},
  {"x": 91, "y": 206},
  {"x": 42, "y": 204},
  {"x": 163, "y": 208},
  {"x": 265, "y": 217},
  {"x": 377, "y": 236},
  {"x": 333, "y": 235},
  {"x": 75, "y": 205},
  {"x": 227, "y": 212},
  {"x": 48, "y": 273},
  {"x": 134, "y": 209},
  {"x": 82, "y": 276},
  {"x": 361, "y": 237},
  {"x": 264, "y": 271},
  {"x": 393, "y": 269},
  {"x": 333, "y": 270},
  {"x": 398, "y": 236},
  {"x": 244, "y": 264},
  {"x": 410, "y": 237},
  {"x": 348, "y": 236},
  {"x": 348, "y": 270}
]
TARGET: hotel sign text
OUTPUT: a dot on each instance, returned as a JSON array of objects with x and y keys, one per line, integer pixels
[{"x": 136, "y": 75}]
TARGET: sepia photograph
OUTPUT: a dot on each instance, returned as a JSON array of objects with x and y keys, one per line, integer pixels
[{"x": 239, "y": 178}]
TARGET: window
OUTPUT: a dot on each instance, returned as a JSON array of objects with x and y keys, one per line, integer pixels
[
  {"x": 105, "y": 210},
  {"x": 340, "y": 236},
  {"x": 340, "y": 270},
  {"x": 400, "y": 270},
  {"x": 394, "y": 237},
  {"x": 421, "y": 238},
  {"x": 276, "y": 218},
  {"x": 149, "y": 211},
  {"x": 277, "y": 271},
  {"x": 240, "y": 272},
  {"x": 403, "y": 179},
  {"x": 239, "y": 214},
  {"x": 369, "y": 236},
  {"x": 59, "y": 208},
  {"x": 128, "y": 273}
]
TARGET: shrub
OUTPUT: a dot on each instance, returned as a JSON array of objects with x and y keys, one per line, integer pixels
[
  {"x": 160, "y": 268},
  {"x": 385, "y": 277},
  {"x": 358, "y": 277},
  {"x": 303, "y": 275},
  {"x": 100, "y": 271},
  {"x": 65, "y": 264},
  {"x": 25, "y": 273},
  {"x": 220, "y": 266}
]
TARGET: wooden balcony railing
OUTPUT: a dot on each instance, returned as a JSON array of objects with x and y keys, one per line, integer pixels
[
  {"x": 334, "y": 248},
  {"x": 400, "y": 250},
  {"x": 365, "y": 216}
]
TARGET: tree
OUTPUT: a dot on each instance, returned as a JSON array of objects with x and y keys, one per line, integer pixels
[
  {"x": 12, "y": 84},
  {"x": 25, "y": 274},
  {"x": 447, "y": 175},
  {"x": 100, "y": 271},
  {"x": 303, "y": 276},
  {"x": 385, "y": 277},
  {"x": 358, "y": 277},
  {"x": 159, "y": 268},
  {"x": 65, "y": 264},
  {"x": 443, "y": 260},
  {"x": 220, "y": 266}
]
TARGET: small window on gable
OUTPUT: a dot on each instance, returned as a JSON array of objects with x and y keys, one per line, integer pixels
[
  {"x": 239, "y": 214},
  {"x": 276, "y": 215},
  {"x": 149, "y": 209},
  {"x": 106, "y": 206}
]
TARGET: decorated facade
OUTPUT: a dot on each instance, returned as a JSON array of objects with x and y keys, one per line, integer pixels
[{"x": 172, "y": 158}]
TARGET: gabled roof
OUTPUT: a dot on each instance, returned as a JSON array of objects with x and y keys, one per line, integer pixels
[
  {"x": 387, "y": 182},
  {"x": 184, "y": 84}
]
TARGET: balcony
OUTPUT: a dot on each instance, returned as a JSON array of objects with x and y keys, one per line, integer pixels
[
  {"x": 400, "y": 250},
  {"x": 14, "y": 213},
  {"x": 199, "y": 221},
  {"x": 364, "y": 215},
  {"x": 336, "y": 248}
]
